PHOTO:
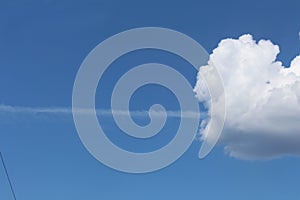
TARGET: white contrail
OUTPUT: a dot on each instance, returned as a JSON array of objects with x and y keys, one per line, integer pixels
[{"x": 100, "y": 112}]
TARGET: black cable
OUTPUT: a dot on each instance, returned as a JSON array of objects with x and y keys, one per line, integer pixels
[{"x": 12, "y": 190}]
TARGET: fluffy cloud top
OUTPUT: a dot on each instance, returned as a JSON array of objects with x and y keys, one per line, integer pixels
[{"x": 262, "y": 99}]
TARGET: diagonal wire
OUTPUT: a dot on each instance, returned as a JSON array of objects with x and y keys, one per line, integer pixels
[{"x": 11, "y": 188}]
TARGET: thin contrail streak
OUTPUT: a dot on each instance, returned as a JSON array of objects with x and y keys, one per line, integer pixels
[{"x": 100, "y": 112}]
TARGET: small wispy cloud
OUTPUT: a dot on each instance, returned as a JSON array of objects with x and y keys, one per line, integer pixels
[{"x": 100, "y": 112}]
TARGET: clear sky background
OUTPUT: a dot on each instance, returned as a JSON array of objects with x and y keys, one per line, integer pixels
[{"x": 42, "y": 44}]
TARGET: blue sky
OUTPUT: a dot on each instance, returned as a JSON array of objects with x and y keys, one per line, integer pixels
[{"x": 42, "y": 44}]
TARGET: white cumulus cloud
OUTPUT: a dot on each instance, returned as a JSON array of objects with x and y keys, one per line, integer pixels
[{"x": 262, "y": 99}]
